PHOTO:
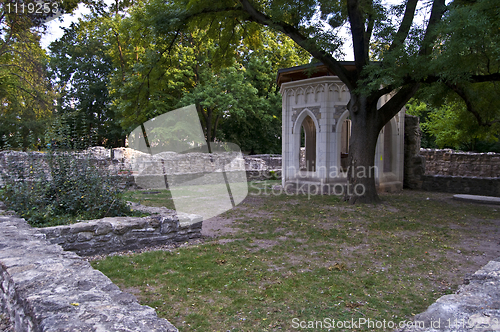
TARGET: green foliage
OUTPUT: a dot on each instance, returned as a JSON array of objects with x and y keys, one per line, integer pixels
[
  {"x": 273, "y": 175},
  {"x": 67, "y": 188},
  {"x": 221, "y": 95},
  {"x": 25, "y": 93},
  {"x": 447, "y": 121},
  {"x": 461, "y": 114},
  {"x": 151, "y": 71},
  {"x": 260, "y": 131},
  {"x": 241, "y": 103},
  {"x": 80, "y": 70},
  {"x": 469, "y": 41},
  {"x": 451, "y": 126},
  {"x": 236, "y": 96},
  {"x": 420, "y": 109}
]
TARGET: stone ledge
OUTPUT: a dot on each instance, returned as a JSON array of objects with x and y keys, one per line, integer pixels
[
  {"x": 113, "y": 234},
  {"x": 43, "y": 288},
  {"x": 478, "y": 199},
  {"x": 474, "y": 307}
]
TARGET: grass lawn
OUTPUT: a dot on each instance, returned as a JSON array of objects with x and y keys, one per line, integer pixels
[{"x": 292, "y": 258}]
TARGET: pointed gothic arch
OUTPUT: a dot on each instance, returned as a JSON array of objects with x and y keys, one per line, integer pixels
[
  {"x": 389, "y": 147},
  {"x": 343, "y": 132},
  {"x": 306, "y": 122}
]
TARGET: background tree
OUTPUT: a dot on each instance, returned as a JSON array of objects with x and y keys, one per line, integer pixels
[
  {"x": 462, "y": 114},
  {"x": 240, "y": 103},
  {"x": 237, "y": 99},
  {"x": 25, "y": 93},
  {"x": 447, "y": 123},
  {"x": 150, "y": 73},
  {"x": 260, "y": 131},
  {"x": 81, "y": 68}
]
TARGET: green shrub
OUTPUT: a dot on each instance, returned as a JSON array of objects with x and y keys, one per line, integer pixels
[{"x": 60, "y": 188}]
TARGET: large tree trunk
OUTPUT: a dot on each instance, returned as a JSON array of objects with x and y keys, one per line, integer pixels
[{"x": 366, "y": 125}]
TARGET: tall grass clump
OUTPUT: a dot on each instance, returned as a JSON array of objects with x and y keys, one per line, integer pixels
[{"x": 60, "y": 187}]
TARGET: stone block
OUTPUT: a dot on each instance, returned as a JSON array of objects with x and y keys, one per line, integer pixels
[
  {"x": 142, "y": 231},
  {"x": 84, "y": 236},
  {"x": 154, "y": 240},
  {"x": 71, "y": 237},
  {"x": 136, "y": 223},
  {"x": 82, "y": 227},
  {"x": 169, "y": 226},
  {"x": 103, "y": 227},
  {"x": 79, "y": 247},
  {"x": 51, "y": 232},
  {"x": 154, "y": 222},
  {"x": 120, "y": 228},
  {"x": 130, "y": 243},
  {"x": 181, "y": 238},
  {"x": 194, "y": 235},
  {"x": 104, "y": 238},
  {"x": 196, "y": 225}
]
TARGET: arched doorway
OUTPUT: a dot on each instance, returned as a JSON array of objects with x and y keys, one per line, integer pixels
[
  {"x": 345, "y": 138},
  {"x": 307, "y": 160},
  {"x": 387, "y": 156}
]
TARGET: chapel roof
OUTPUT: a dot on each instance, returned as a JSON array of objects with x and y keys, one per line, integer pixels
[{"x": 308, "y": 71}]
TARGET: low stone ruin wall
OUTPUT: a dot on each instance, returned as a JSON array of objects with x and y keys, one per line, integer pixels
[
  {"x": 462, "y": 185},
  {"x": 43, "y": 288},
  {"x": 461, "y": 172},
  {"x": 131, "y": 167},
  {"x": 474, "y": 307},
  {"x": 458, "y": 163},
  {"x": 447, "y": 170},
  {"x": 263, "y": 167},
  {"x": 428, "y": 169},
  {"x": 124, "y": 233}
]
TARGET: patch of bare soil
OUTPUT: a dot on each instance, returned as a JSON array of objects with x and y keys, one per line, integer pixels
[
  {"x": 224, "y": 225},
  {"x": 470, "y": 253},
  {"x": 262, "y": 244},
  {"x": 218, "y": 226},
  {"x": 132, "y": 290}
]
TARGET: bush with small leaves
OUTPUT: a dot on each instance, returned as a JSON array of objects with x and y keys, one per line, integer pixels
[{"x": 60, "y": 188}]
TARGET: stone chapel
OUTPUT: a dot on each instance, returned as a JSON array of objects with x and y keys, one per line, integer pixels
[{"x": 316, "y": 131}]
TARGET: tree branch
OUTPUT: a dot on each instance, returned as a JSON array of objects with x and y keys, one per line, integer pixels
[
  {"x": 253, "y": 15},
  {"x": 405, "y": 26},
  {"x": 169, "y": 48},
  {"x": 304, "y": 42},
  {"x": 485, "y": 78},
  {"x": 36, "y": 95},
  {"x": 369, "y": 31},
  {"x": 472, "y": 79},
  {"x": 358, "y": 34},
  {"x": 120, "y": 53},
  {"x": 470, "y": 108},
  {"x": 438, "y": 9},
  {"x": 397, "y": 102}
]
